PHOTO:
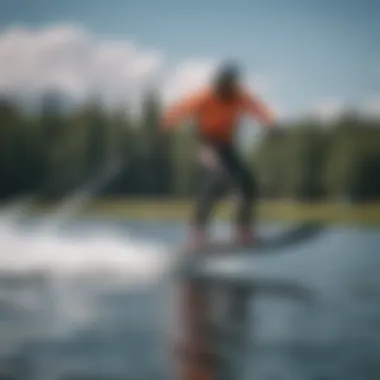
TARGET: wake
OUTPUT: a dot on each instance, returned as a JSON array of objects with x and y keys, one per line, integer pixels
[
  {"x": 45, "y": 249},
  {"x": 95, "y": 253}
]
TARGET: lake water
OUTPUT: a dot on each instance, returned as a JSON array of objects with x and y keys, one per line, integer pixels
[{"x": 91, "y": 299}]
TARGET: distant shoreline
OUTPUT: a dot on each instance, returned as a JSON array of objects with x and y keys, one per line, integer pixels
[
  {"x": 171, "y": 209},
  {"x": 162, "y": 209}
]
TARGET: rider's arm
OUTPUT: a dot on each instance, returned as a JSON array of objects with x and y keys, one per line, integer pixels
[
  {"x": 183, "y": 109},
  {"x": 256, "y": 108}
]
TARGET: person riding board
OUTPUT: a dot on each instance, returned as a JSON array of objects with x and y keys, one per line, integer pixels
[{"x": 217, "y": 110}]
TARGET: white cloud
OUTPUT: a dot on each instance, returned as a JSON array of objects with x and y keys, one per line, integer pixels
[
  {"x": 328, "y": 109},
  {"x": 68, "y": 59},
  {"x": 371, "y": 107},
  {"x": 334, "y": 108}
]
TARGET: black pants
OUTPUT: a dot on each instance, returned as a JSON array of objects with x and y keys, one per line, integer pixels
[{"x": 231, "y": 171}]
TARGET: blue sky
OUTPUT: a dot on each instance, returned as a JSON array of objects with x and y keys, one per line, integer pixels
[{"x": 310, "y": 50}]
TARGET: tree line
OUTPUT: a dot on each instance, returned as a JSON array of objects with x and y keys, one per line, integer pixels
[{"x": 53, "y": 151}]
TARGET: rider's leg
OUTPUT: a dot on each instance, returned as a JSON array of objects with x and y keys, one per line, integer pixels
[
  {"x": 244, "y": 181},
  {"x": 213, "y": 187},
  {"x": 245, "y": 231}
]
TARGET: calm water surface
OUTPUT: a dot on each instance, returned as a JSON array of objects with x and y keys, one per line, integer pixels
[{"x": 90, "y": 299}]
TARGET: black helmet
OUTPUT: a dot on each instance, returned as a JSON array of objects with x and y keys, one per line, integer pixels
[{"x": 228, "y": 72}]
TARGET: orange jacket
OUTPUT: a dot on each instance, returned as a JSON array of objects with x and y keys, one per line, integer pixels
[{"x": 217, "y": 119}]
